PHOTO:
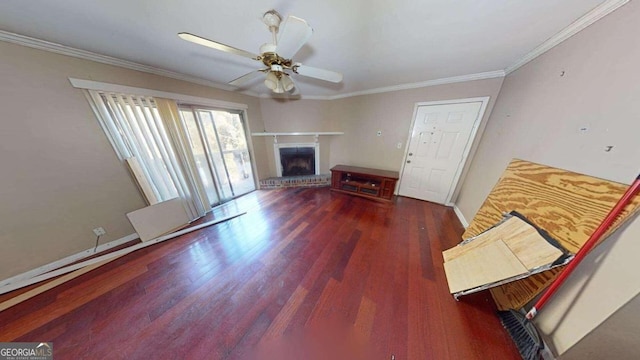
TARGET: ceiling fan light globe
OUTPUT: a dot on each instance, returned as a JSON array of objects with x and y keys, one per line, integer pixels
[
  {"x": 271, "y": 81},
  {"x": 279, "y": 89},
  {"x": 287, "y": 83}
]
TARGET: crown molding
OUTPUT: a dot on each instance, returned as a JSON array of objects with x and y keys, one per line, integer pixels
[
  {"x": 88, "y": 55},
  {"x": 422, "y": 84},
  {"x": 104, "y": 59},
  {"x": 442, "y": 81},
  {"x": 589, "y": 18},
  {"x": 181, "y": 98}
]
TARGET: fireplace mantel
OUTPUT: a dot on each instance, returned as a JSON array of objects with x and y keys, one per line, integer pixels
[
  {"x": 315, "y": 145},
  {"x": 318, "y": 133},
  {"x": 309, "y": 133}
]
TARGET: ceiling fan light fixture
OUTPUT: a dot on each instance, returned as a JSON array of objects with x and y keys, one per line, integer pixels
[
  {"x": 287, "y": 83},
  {"x": 272, "y": 81},
  {"x": 279, "y": 88}
]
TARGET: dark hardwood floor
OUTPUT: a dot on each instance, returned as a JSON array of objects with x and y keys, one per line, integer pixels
[{"x": 305, "y": 274}]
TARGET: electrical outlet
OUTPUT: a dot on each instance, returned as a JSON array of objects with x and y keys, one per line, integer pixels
[{"x": 99, "y": 231}]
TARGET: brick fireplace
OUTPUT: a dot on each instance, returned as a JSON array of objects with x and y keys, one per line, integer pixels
[{"x": 297, "y": 164}]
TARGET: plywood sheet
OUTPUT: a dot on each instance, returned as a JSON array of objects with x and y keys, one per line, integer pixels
[
  {"x": 517, "y": 294},
  {"x": 159, "y": 219},
  {"x": 570, "y": 206},
  {"x": 486, "y": 264}
]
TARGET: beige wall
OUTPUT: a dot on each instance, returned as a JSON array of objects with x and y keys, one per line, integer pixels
[
  {"x": 63, "y": 178},
  {"x": 391, "y": 113},
  {"x": 360, "y": 118},
  {"x": 282, "y": 115},
  {"x": 591, "y": 80},
  {"x": 616, "y": 338},
  {"x": 60, "y": 177}
]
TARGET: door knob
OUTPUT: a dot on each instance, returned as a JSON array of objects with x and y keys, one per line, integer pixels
[{"x": 408, "y": 161}]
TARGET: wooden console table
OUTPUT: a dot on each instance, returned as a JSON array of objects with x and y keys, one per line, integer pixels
[{"x": 369, "y": 183}]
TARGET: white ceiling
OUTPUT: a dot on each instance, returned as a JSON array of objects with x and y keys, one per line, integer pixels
[{"x": 373, "y": 43}]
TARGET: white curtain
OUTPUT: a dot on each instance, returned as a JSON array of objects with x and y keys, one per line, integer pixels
[
  {"x": 176, "y": 129},
  {"x": 135, "y": 128}
]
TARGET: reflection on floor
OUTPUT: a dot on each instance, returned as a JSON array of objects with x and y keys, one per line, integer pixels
[{"x": 306, "y": 273}]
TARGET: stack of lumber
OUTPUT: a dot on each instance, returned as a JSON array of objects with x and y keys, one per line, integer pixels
[{"x": 568, "y": 205}]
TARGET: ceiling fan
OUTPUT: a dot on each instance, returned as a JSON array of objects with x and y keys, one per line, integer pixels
[{"x": 287, "y": 38}]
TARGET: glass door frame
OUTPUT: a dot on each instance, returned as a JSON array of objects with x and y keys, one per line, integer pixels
[
  {"x": 242, "y": 114},
  {"x": 205, "y": 144}
]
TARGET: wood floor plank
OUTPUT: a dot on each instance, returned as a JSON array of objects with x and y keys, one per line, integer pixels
[
  {"x": 364, "y": 319},
  {"x": 279, "y": 324},
  {"x": 306, "y": 271}
]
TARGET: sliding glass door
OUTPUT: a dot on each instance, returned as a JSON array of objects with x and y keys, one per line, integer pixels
[{"x": 219, "y": 142}]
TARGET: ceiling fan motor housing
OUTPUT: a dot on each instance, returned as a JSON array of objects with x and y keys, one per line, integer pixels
[
  {"x": 271, "y": 58},
  {"x": 268, "y": 48}
]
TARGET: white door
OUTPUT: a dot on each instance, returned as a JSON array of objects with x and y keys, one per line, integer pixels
[{"x": 437, "y": 148}]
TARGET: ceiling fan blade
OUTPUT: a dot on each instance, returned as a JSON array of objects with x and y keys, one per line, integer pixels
[
  {"x": 246, "y": 78},
  {"x": 294, "y": 33},
  {"x": 216, "y": 45},
  {"x": 321, "y": 74}
]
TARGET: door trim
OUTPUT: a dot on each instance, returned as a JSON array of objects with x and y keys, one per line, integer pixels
[{"x": 467, "y": 149}]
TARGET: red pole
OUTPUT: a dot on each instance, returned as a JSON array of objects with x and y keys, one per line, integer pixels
[{"x": 584, "y": 250}]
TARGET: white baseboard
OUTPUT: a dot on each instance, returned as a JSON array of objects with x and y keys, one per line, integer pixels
[
  {"x": 66, "y": 261},
  {"x": 463, "y": 221},
  {"x": 82, "y": 267}
]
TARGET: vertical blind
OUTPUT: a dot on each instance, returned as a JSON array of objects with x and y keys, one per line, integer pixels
[{"x": 135, "y": 128}]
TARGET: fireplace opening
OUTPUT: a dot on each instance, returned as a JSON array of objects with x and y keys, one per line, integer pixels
[{"x": 298, "y": 161}]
